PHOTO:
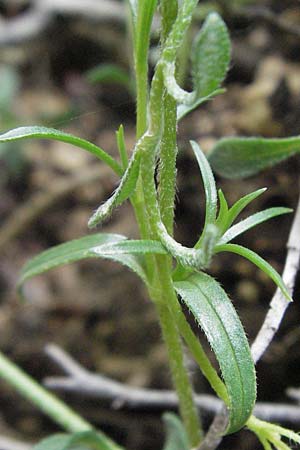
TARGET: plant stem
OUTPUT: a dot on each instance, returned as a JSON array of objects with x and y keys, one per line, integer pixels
[
  {"x": 179, "y": 374},
  {"x": 40, "y": 397}
]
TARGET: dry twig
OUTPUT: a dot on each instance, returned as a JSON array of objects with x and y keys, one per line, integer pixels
[
  {"x": 279, "y": 303},
  {"x": 80, "y": 381}
]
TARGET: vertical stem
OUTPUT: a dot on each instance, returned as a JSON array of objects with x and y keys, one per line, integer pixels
[
  {"x": 167, "y": 166},
  {"x": 179, "y": 374},
  {"x": 168, "y": 147}
]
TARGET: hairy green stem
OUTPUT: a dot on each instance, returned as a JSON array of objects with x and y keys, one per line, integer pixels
[
  {"x": 40, "y": 397},
  {"x": 167, "y": 166},
  {"x": 168, "y": 146}
]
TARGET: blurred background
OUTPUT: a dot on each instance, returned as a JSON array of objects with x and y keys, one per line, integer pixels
[{"x": 66, "y": 64}]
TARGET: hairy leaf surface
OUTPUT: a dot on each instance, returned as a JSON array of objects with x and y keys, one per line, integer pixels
[
  {"x": 125, "y": 189},
  {"x": 101, "y": 245},
  {"x": 241, "y": 157},
  {"x": 210, "y": 56},
  {"x": 214, "y": 312}
]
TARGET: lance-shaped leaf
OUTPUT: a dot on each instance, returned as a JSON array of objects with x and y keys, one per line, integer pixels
[
  {"x": 258, "y": 261},
  {"x": 36, "y": 132},
  {"x": 210, "y": 62},
  {"x": 88, "y": 440},
  {"x": 101, "y": 245},
  {"x": 198, "y": 257},
  {"x": 210, "y": 56},
  {"x": 176, "y": 437},
  {"x": 213, "y": 311},
  {"x": 251, "y": 222},
  {"x": 122, "y": 193},
  {"x": 239, "y": 157},
  {"x": 210, "y": 189}
]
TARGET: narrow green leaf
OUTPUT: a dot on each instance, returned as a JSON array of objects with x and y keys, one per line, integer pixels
[
  {"x": 241, "y": 204},
  {"x": 88, "y": 440},
  {"x": 176, "y": 437},
  {"x": 145, "y": 12},
  {"x": 210, "y": 189},
  {"x": 210, "y": 56},
  {"x": 123, "y": 192},
  {"x": 36, "y": 132},
  {"x": 222, "y": 218},
  {"x": 252, "y": 221},
  {"x": 214, "y": 312},
  {"x": 108, "y": 246},
  {"x": 239, "y": 157},
  {"x": 258, "y": 261}
]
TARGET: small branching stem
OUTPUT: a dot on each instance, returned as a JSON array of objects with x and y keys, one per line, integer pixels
[{"x": 40, "y": 397}]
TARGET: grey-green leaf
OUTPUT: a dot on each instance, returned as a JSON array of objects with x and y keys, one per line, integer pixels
[
  {"x": 176, "y": 437},
  {"x": 251, "y": 222},
  {"x": 88, "y": 440},
  {"x": 36, "y": 132},
  {"x": 213, "y": 311},
  {"x": 123, "y": 192},
  {"x": 258, "y": 261},
  {"x": 109, "y": 246},
  {"x": 239, "y": 157},
  {"x": 210, "y": 56}
]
